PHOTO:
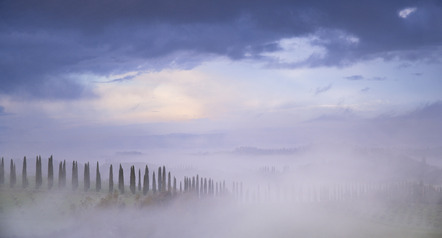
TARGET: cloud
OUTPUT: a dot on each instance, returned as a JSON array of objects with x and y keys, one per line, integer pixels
[
  {"x": 404, "y": 13},
  {"x": 130, "y": 153},
  {"x": 360, "y": 77},
  {"x": 355, "y": 77},
  {"x": 324, "y": 89},
  {"x": 377, "y": 78},
  {"x": 50, "y": 46},
  {"x": 366, "y": 89},
  {"x": 122, "y": 79}
]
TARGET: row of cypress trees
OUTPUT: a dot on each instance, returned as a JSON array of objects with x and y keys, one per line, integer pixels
[{"x": 162, "y": 182}]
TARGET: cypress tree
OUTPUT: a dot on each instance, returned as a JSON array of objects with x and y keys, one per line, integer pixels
[
  {"x": 197, "y": 185},
  {"x": 121, "y": 180},
  {"x": 2, "y": 172},
  {"x": 111, "y": 179},
  {"x": 132, "y": 179},
  {"x": 174, "y": 185},
  {"x": 12, "y": 175},
  {"x": 74, "y": 180},
  {"x": 154, "y": 184},
  {"x": 87, "y": 181},
  {"x": 159, "y": 179},
  {"x": 64, "y": 173},
  {"x": 60, "y": 175},
  {"x": 146, "y": 181},
  {"x": 38, "y": 173},
  {"x": 190, "y": 185},
  {"x": 139, "y": 180},
  {"x": 202, "y": 186},
  {"x": 98, "y": 179},
  {"x": 169, "y": 183},
  {"x": 50, "y": 173},
  {"x": 163, "y": 180},
  {"x": 24, "y": 176}
]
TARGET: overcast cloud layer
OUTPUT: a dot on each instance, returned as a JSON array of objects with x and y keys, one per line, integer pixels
[
  {"x": 131, "y": 76},
  {"x": 47, "y": 45}
]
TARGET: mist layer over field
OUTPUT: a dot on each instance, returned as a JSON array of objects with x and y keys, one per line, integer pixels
[
  {"x": 208, "y": 219},
  {"x": 303, "y": 192}
]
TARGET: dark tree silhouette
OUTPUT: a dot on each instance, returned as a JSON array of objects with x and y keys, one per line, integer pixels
[
  {"x": 50, "y": 172},
  {"x": 159, "y": 179},
  {"x": 163, "y": 180},
  {"x": 146, "y": 181},
  {"x": 12, "y": 176},
  {"x": 202, "y": 186},
  {"x": 60, "y": 175},
  {"x": 98, "y": 179},
  {"x": 169, "y": 183},
  {"x": 174, "y": 185},
  {"x": 2, "y": 172},
  {"x": 87, "y": 177},
  {"x": 64, "y": 173},
  {"x": 139, "y": 180},
  {"x": 121, "y": 180},
  {"x": 38, "y": 173},
  {"x": 111, "y": 179},
  {"x": 24, "y": 176},
  {"x": 74, "y": 180},
  {"x": 197, "y": 186},
  {"x": 132, "y": 179},
  {"x": 154, "y": 184}
]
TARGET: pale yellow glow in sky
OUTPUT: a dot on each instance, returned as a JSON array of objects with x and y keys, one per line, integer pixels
[{"x": 171, "y": 95}]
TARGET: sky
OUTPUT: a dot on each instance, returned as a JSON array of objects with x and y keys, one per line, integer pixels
[{"x": 104, "y": 78}]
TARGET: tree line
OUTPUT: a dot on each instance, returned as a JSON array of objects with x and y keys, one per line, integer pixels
[{"x": 161, "y": 182}]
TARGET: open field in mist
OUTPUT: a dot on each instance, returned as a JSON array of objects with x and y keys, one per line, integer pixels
[
  {"x": 302, "y": 192},
  {"x": 66, "y": 214}
]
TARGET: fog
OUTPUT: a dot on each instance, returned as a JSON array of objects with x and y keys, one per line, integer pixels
[
  {"x": 306, "y": 191},
  {"x": 252, "y": 118},
  {"x": 328, "y": 177}
]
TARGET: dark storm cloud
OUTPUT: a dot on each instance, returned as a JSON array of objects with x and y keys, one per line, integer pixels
[{"x": 47, "y": 44}]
